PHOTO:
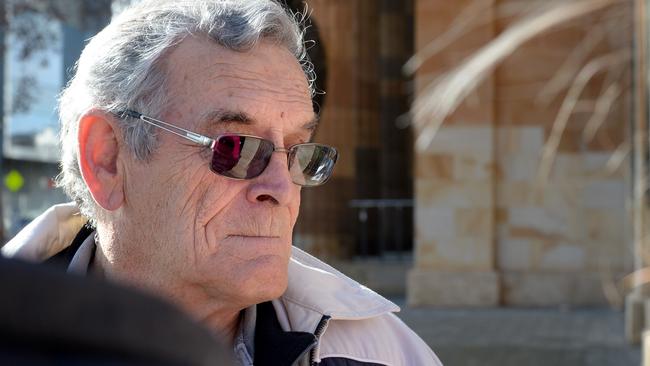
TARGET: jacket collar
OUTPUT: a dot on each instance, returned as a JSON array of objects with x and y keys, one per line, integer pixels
[{"x": 316, "y": 285}]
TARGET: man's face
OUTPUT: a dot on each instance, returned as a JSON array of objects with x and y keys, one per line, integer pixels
[{"x": 229, "y": 238}]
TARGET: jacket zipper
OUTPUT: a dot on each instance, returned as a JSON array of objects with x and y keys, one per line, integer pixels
[{"x": 319, "y": 331}]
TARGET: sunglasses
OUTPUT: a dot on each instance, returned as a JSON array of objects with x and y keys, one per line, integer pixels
[{"x": 245, "y": 157}]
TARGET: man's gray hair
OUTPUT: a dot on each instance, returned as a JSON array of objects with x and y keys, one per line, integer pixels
[{"x": 122, "y": 67}]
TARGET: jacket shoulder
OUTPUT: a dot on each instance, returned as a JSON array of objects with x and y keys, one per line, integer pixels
[
  {"x": 382, "y": 340},
  {"x": 49, "y": 234}
]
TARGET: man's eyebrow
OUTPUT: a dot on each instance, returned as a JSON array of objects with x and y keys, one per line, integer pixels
[{"x": 222, "y": 116}]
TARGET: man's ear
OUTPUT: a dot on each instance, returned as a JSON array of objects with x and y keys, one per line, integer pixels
[{"x": 99, "y": 150}]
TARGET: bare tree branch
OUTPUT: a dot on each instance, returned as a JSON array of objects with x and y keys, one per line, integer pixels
[
  {"x": 471, "y": 17},
  {"x": 559, "y": 125},
  {"x": 571, "y": 66},
  {"x": 578, "y": 56},
  {"x": 617, "y": 158},
  {"x": 441, "y": 98},
  {"x": 601, "y": 111}
]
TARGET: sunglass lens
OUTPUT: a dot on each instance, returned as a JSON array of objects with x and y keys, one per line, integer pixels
[
  {"x": 312, "y": 164},
  {"x": 241, "y": 157}
]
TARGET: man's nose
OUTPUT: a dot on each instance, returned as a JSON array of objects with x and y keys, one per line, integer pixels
[{"x": 274, "y": 185}]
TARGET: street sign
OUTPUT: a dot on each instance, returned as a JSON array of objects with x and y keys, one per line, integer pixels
[{"x": 14, "y": 181}]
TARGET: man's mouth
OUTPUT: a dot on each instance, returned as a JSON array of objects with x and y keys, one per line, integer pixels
[{"x": 248, "y": 236}]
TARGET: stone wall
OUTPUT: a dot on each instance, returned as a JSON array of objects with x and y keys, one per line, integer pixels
[{"x": 486, "y": 233}]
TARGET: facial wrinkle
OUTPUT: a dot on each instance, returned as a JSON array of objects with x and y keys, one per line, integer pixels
[
  {"x": 246, "y": 76},
  {"x": 185, "y": 207},
  {"x": 182, "y": 157},
  {"x": 277, "y": 96},
  {"x": 201, "y": 221},
  {"x": 192, "y": 192},
  {"x": 295, "y": 85},
  {"x": 206, "y": 217},
  {"x": 210, "y": 215},
  {"x": 272, "y": 224},
  {"x": 194, "y": 255},
  {"x": 263, "y": 84},
  {"x": 227, "y": 69},
  {"x": 223, "y": 68}
]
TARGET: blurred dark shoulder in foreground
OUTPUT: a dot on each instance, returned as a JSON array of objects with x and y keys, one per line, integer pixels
[{"x": 49, "y": 317}]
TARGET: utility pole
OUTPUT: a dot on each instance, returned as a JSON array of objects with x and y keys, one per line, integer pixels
[
  {"x": 641, "y": 140},
  {"x": 4, "y": 26},
  {"x": 635, "y": 311}
]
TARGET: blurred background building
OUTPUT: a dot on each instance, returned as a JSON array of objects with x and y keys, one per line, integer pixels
[
  {"x": 466, "y": 221},
  {"x": 41, "y": 42},
  {"x": 483, "y": 227}
]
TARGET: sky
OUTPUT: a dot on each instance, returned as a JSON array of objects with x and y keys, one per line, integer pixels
[{"x": 49, "y": 78}]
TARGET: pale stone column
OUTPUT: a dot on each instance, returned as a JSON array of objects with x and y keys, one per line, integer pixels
[
  {"x": 455, "y": 178},
  {"x": 645, "y": 350},
  {"x": 454, "y": 247}
]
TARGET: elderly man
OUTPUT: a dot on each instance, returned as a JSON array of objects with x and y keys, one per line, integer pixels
[{"x": 186, "y": 140}]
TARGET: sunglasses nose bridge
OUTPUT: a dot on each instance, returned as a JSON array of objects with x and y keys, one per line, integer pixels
[
  {"x": 286, "y": 152},
  {"x": 290, "y": 154}
]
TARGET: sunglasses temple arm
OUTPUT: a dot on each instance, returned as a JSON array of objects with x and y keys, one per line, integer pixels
[{"x": 192, "y": 136}]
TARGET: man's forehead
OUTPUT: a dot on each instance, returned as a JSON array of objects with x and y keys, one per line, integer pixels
[
  {"x": 203, "y": 59},
  {"x": 219, "y": 85}
]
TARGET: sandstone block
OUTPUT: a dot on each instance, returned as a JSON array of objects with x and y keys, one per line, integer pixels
[
  {"x": 604, "y": 226},
  {"x": 473, "y": 194},
  {"x": 550, "y": 289},
  {"x": 523, "y": 112},
  {"x": 610, "y": 256},
  {"x": 608, "y": 194},
  {"x": 464, "y": 140},
  {"x": 515, "y": 194},
  {"x": 595, "y": 164},
  {"x": 455, "y": 254},
  {"x": 440, "y": 288},
  {"x": 537, "y": 219},
  {"x": 568, "y": 167},
  {"x": 434, "y": 223},
  {"x": 514, "y": 139},
  {"x": 562, "y": 257},
  {"x": 516, "y": 253},
  {"x": 474, "y": 222},
  {"x": 474, "y": 168},
  {"x": 469, "y": 113},
  {"x": 434, "y": 166},
  {"x": 518, "y": 167},
  {"x": 562, "y": 198}
]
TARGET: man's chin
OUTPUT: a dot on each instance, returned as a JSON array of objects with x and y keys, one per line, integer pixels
[
  {"x": 248, "y": 282},
  {"x": 269, "y": 288}
]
